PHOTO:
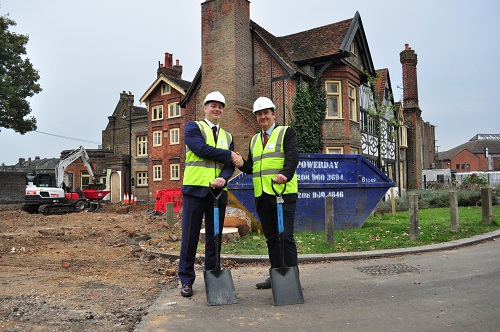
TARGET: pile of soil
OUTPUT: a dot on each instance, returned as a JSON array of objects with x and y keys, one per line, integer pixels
[{"x": 84, "y": 271}]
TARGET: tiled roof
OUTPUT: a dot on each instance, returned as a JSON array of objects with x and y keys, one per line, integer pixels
[
  {"x": 475, "y": 146},
  {"x": 274, "y": 43},
  {"x": 317, "y": 42}
]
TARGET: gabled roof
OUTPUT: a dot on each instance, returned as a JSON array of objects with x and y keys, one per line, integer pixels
[
  {"x": 328, "y": 41},
  {"x": 178, "y": 84},
  {"x": 476, "y": 145},
  {"x": 382, "y": 79}
]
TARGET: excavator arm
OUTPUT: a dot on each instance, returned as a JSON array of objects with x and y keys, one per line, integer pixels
[{"x": 68, "y": 160}]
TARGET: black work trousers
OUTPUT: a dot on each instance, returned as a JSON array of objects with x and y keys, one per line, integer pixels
[{"x": 268, "y": 215}]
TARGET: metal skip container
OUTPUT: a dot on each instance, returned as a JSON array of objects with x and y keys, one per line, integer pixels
[{"x": 355, "y": 183}]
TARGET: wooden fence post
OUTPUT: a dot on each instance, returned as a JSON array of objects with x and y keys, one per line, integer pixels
[
  {"x": 454, "y": 211},
  {"x": 413, "y": 217},
  {"x": 329, "y": 219},
  {"x": 486, "y": 205},
  {"x": 170, "y": 214}
]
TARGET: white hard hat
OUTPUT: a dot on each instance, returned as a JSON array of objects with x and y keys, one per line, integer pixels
[
  {"x": 263, "y": 103},
  {"x": 215, "y": 96}
]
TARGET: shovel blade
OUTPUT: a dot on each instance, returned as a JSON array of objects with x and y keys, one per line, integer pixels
[
  {"x": 285, "y": 284},
  {"x": 219, "y": 287}
]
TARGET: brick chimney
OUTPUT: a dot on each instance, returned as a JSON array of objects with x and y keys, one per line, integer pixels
[
  {"x": 408, "y": 59},
  {"x": 226, "y": 51},
  {"x": 413, "y": 119},
  {"x": 168, "y": 69}
]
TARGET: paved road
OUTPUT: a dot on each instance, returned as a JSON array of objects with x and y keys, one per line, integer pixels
[{"x": 456, "y": 289}]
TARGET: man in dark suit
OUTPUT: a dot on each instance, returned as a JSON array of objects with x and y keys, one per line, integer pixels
[
  {"x": 209, "y": 150},
  {"x": 273, "y": 156}
]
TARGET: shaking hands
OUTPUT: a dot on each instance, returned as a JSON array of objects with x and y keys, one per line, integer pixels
[{"x": 236, "y": 159}]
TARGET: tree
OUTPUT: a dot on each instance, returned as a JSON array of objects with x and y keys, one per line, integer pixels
[
  {"x": 309, "y": 107},
  {"x": 17, "y": 80}
]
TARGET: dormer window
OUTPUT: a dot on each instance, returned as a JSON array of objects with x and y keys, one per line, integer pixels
[{"x": 165, "y": 89}]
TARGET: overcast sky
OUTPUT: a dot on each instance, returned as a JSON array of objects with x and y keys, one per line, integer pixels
[{"x": 87, "y": 52}]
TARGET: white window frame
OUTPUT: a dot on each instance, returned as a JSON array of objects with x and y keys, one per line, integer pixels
[
  {"x": 174, "y": 110},
  {"x": 338, "y": 95},
  {"x": 175, "y": 171},
  {"x": 174, "y": 136},
  {"x": 165, "y": 89},
  {"x": 354, "y": 151},
  {"x": 157, "y": 113},
  {"x": 157, "y": 173},
  {"x": 142, "y": 146},
  {"x": 85, "y": 179},
  {"x": 353, "y": 102},
  {"x": 157, "y": 135},
  {"x": 142, "y": 179},
  {"x": 334, "y": 150}
]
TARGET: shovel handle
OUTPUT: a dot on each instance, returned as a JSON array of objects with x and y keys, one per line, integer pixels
[
  {"x": 216, "y": 208},
  {"x": 279, "y": 203}
]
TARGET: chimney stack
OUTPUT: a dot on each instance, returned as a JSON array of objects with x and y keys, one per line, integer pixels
[
  {"x": 408, "y": 59},
  {"x": 168, "y": 69}
]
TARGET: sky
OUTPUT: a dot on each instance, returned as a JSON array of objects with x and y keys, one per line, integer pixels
[{"x": 88, "y": 52}]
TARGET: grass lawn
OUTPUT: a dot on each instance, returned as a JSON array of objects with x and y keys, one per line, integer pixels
[{"x": 380, "y": 232}]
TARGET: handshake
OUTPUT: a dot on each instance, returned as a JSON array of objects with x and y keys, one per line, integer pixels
[{"x": 236, "y": 159}]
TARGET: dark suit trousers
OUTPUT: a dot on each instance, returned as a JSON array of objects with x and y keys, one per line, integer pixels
[
  {"x": 193, "y": 210},
  {"x": 268, "y": 215}
]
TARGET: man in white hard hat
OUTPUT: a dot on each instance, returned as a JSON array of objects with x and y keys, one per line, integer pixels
[
  {"x": 209, "y": 150},
  {"x": 273, "y": 155}
]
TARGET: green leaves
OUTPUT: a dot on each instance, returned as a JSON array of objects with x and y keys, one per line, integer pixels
[
  {"x": 309, "y": 110},
  {"x": 17, "y": 80}
]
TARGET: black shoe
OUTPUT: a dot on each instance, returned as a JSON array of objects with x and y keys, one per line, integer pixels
[
  {"x": 187, "y": 290},
  {"x": 265, "y": 284}
]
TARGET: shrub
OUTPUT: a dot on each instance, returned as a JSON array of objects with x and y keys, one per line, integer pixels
[{"x": 431, "y": 199}]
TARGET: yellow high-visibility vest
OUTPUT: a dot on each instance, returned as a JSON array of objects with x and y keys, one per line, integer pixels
[
  {"x": 268, "y": 161},
  {"x": 200, "y": 171}
]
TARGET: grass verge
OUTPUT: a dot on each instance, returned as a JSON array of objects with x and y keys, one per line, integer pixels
[{"x": 380, "y": 232}]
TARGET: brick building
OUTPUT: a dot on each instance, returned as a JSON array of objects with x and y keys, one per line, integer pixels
[
  {"x": 480, "y": 153},
  {"x": 165, "y": 139},
  {"x": 244, "y": 61}
]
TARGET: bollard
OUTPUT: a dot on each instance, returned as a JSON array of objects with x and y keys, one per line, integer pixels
[
  {"x": 454, "y": 211},
  {"x": 486, "y": 205},
  {"x": 329, "y": 219},
  {"x": 413, "y": 217},
  {"x": 170, "y": 214}
]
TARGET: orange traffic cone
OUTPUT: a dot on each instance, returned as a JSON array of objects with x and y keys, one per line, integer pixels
[
  {"x": 125, "y": 199},
  {"x": 131, "y": 199}
]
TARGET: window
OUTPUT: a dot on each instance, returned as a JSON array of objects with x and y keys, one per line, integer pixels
[
  {"x": 354, "y": 151},
  {"x": 174, "y": 136},
  {"x": 157, "y": 113},
  {"x": 334, "y": 150},
  {"x": 174, "y": 110},
  {"x": 157, "y": 173},
  {"x": 142, "y": 179},
  {"x": 165, "y": 89},
  {"x": 353, "y": 110},
  {"x": 85, "y": 180},
  {"x": 157, "y": 138},
  {"x": 175, "y": 172},
  {"x": 142, "y": 146},
  {"x": 333, "y": 100}
]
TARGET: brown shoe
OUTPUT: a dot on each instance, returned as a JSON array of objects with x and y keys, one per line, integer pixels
[
  {"x": 266, "y": 284},
  {"x": 187, "y": 290}
]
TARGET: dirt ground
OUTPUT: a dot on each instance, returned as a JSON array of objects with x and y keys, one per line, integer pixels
[{"x": 83, "y": 271}]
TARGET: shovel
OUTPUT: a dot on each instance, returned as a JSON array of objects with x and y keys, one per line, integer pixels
[
  {"x": 285, "y": 281},
  {"x": 219, "y": 284}
]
